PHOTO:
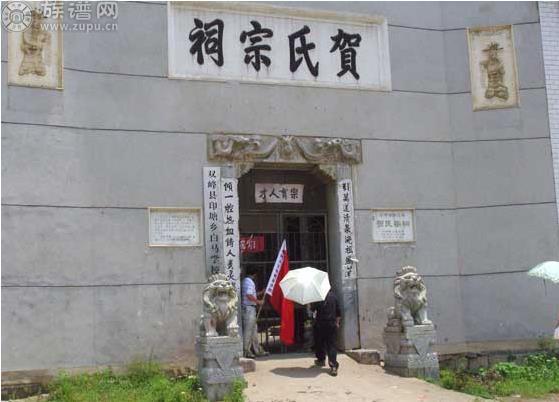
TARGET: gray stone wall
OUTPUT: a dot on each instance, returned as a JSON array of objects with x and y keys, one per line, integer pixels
[
  {"x": 549, "y": 16},
  {"x": 481, "y": 181},
  {"x": 79, "y": 167}
]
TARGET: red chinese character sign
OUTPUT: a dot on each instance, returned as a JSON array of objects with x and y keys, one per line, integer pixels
[
  {"x": 252, "y": 244},
  {"x": 276, "y": 45}
]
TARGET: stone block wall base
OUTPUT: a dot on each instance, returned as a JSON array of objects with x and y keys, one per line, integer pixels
[
  {"x": 473, "y": 361},
  {"x": 218, "y": 364},
  {"x": 413, "y": 365},
  {"x": 409, "y": 351},
  {"x": 364, "y": 356},
  {"x": 10, "y": 392},
  {"x": 423, "y": 372},
  {"x": 216, "y": 392},
  {"x": 430, "y": 359}
]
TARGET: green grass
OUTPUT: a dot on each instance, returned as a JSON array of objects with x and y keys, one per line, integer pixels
[
  {"x": 236, "y": 394},
  {"x": 536, "y": 377},
  {"x": 463, "y": 382},
  {"x": 142, "y": 382}
]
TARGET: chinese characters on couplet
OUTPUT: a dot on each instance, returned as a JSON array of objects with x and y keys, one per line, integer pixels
[
  {"x": 230, "y": 206},
  {"x": 212, "y": 213},
  {"x": 207, "y": 38},
  {"x": 346, "y": 222}
]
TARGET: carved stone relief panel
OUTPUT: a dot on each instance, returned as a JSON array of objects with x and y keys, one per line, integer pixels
[
  {"x": 287, "y": 149},
  {"x": 35, "y": 53},
  {"x": 493, "y": 73}
]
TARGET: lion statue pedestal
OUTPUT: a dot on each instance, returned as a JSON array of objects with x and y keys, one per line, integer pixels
[
  {"x": 219, "y": 346},
  {"x": 409, "y": 335}
]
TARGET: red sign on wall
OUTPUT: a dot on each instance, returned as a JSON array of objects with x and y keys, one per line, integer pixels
[{"x": 252, "y": 244}]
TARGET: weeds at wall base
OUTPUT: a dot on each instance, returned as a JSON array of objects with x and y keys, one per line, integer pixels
[
  {"x": 142, "y": 382},
  {"x": 536, "y": 377}
]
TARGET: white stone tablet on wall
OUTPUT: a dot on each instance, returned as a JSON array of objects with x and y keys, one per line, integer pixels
[
  {"x": 493, "y": 73},
  {"x": 35, "y": 51},
  {"x": 393, "y": 225},
  {"x": 174, "y": 227}
]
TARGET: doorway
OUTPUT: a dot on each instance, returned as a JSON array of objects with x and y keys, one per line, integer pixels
[{"x": 264, "y": 225}]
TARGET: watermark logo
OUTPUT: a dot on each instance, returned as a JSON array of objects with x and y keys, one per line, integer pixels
[
  {"x": 84, "y": 16},
  {"x": 107, "y": 9},
  {"x": 16, "y": 16},
  {"x": 80, "y": 16},
  {"x": 80, "y": 10}
]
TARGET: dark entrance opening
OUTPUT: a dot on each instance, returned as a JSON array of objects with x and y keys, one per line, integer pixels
[{"x": 264, "y": 226}]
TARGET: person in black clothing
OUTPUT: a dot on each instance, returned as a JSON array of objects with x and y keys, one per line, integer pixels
[{"x": 327, "y": 322}]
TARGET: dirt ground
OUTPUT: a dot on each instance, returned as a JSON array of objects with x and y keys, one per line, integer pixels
[
  {"x": 550, "y": 398},
  {"x": 292, "y": 378}
]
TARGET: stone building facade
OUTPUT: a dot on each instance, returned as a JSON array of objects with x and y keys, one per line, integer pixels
[{"x": 81, "y": 165}]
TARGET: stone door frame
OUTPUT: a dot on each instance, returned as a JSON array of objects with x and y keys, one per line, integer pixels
[{"x": 234, "y": 155}]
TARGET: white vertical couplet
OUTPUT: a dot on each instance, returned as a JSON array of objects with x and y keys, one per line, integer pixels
[
  {"x": 231, "y": 249},
  {"x": 213, "y": 219},
  {"x": 346, "y": 225}
]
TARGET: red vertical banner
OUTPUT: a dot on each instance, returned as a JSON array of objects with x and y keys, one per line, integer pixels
[{"x": 283, "y": 307}]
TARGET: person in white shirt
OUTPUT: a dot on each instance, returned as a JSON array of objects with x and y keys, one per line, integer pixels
[{"x": 249, "y": 301}]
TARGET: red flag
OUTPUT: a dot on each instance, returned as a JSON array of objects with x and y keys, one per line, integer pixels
[{"x": 283, "y": 307}]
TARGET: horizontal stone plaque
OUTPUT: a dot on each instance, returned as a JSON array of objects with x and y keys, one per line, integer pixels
[
  {"x": 274, "y": 193},
  {"x": 277, "y": 45},
  {"x": 393, "y": 225},
  {"x": 174, "y": 227}
]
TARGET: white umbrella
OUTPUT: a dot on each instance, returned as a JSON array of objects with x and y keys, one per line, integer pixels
[
  {"x": 305, "y": 285},
  {"x": 548, "y": 270}
]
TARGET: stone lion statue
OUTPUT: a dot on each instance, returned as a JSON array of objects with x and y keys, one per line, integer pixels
[
  {"x": 410, "y": 296},
  {"x": 219, "y": 316}
]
